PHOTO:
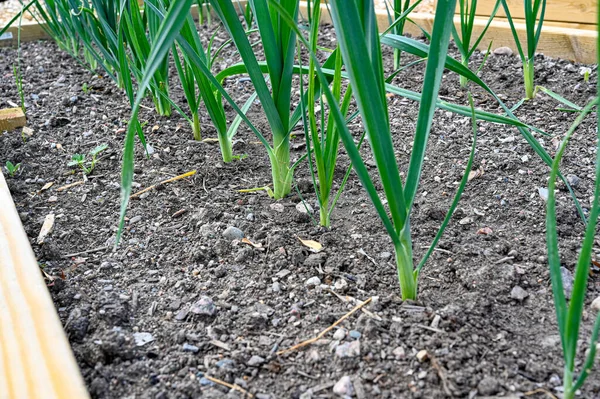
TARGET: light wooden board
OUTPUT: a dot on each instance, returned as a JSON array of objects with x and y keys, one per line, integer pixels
[
  {"x": 35, "y": 358},
  {"x": 575, "y": 42},
  {"x": 556, "y": 41},
  {"x": 12, "y": 118},
  {"x": 576, "y": 11}
]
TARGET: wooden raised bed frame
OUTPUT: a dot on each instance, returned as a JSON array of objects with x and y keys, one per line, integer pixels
[
  {"x": 569, "y": 33},
  {"x": 36, "y": 361}
]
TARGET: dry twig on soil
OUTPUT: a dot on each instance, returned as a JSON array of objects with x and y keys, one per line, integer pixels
[
  {"x": 187, "y": 174},
  {"x": 322, "y": 334}
]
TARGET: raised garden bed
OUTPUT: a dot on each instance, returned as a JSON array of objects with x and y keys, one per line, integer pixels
[{"x": 181, "y": 300}]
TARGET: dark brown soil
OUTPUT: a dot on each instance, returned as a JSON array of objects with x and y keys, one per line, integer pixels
[{"x": 220, "y": 308}]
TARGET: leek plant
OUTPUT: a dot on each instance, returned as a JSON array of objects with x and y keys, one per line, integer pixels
[
  {"x": 325, "y": 141},
  {"x": 191, "y": 76},
  {"x": 464, "y": 41},
  {"x": 534, "y": 20},
  {"x": 569, "y": 315},
  {"x": 279, "y": 44},
  {"x": 140, "y": 32},
  {"x": 400, "y": 7},
  {"x": 356, "y": 30}
]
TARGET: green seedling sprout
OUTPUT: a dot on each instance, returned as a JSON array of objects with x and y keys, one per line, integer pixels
[
  {"x": 87, "y": 166},
  {"x": 534, "y": 20},
  {"x": 585, "y": 72},
  {"x": 11, "y": 168}
]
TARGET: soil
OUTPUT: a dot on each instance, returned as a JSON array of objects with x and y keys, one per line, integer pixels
[{"x": 213, "y": 306}]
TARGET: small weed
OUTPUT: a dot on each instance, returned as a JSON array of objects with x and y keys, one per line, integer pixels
[
  {"x": 239, "y": 157},
  {"x": 12, "y": 168},
  {"x": 87, "y": 166}
]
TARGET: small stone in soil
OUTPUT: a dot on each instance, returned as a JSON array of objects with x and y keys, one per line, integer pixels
[
  {"x": 355, "y": 334},
  {"x": 205, "y": 307},
  {"x": 226, "y": 364},
  {"x": 567, "y": 280},
  {"x": 543, "y": 193},
  {"x": 142, "y": 338},
  {"x": 190, "y": 348},
  {"x": 344, "y": 387},
  {"x": 255, "y": 361},
  {"x": 385, "y": 256},
  {"x": 341, "y": 285},
  {"x": 399, "y": 352},
  {"x": 488, "y": 386},
  {"x": 312, "y": 282},
  {"x": 503, "y": 51},
  {"x": 422, "y": 355},
  {"x": 276, "y": 287},
  {"x": 596, "y": 304},
  {"x": 518, "y": 293},
  {"x": 339, "y": 334},
  {"x": 348, "y": 349},
  {"x": 277, "y": 207},
  {"x": 573, "y": 180},
  {"x": 233, "y": 233},
  {"x": 304, "y": 207}
]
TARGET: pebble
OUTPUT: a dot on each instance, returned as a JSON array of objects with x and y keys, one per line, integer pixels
[
  {"x": 226, "y": 364},
  {"x": 205, "y": 307},
  {"x": 135, "y": 219},
  {"x": 341, "y": 285},
  {"x": 422, "y": 355},
  {"x": 312, "y": 282},
  {"x": 518, "y": 293},
  {"x": 339, "y": 334},
  {"x": 355, "y": 334},
  {"x": 596, "y": 304},
  {"x": 436, "y": 321},
  {"x": 276, "y": 287},
  {"x": 503, "y": 51},
  {"x": 255, "y": 361},
  {"x": 567, "y": 280},
  {"x": 233, "y": 233},
  {"x": 543, "y": 192},
  {"x": 277, "y": 207},
  {"x": 573, "y": 180},
  {"x": 142, "y": 338},
  {"x": 250, "y": 217},
  {"x": 385, "y": 256},
  {"x": 348, "y": 349},
  {"x": 304, "y": 207},
  {"x": 344, "y": 387},
  {"x": 190, "y": 348},
  {"x": 399, "y": 352},
  {"x": 488, "y": 386},
  {"x": 314, "y": 260}
]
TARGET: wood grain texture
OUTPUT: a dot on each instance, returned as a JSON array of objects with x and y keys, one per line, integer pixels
[
  {"x": 35, "y": 358},
  {"x": 12, "y": 118},
  {"x": 576, "y": 11},
  {"x": 560, "y": 40}
]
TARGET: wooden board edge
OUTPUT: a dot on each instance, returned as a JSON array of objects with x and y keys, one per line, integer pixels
[
  {"x": 11, "y": 119},
  {"x": 573, "y": 44},
  {"x": 35, "y": 357}
]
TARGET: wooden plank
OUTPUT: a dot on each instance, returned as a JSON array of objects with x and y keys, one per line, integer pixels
[
  {"x": 576, "y": 11},
  {"x": 575, "y": 42},
  {"x": 35, "y": 358},
  {"x": 12, "y": 118},
  {"x": 556, "y": 41},
  {"x": 29, "y": 32}
]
